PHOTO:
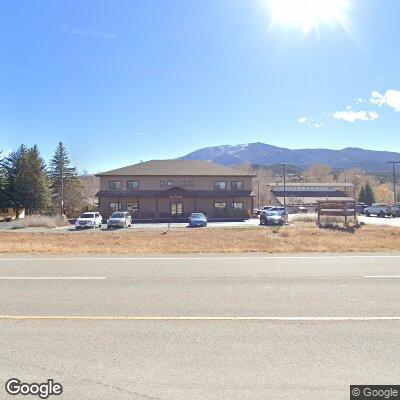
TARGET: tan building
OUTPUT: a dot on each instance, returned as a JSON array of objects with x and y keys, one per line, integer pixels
[
  {"x": 173, "y": 189},
  {"x": 308, "y": 194}
]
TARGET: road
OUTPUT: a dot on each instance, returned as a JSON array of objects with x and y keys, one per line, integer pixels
[{"x": 201, "y": 327}]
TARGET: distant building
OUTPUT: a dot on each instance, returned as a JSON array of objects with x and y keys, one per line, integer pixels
[
  {"x": 173, "y": 189},
  {"x": 308, "y": 194}
]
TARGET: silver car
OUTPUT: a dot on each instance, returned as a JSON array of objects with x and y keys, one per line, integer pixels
[{"x": 119, "y": 219}]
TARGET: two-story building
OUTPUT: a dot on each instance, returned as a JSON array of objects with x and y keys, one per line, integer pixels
[{"x": 166, "y": 189}]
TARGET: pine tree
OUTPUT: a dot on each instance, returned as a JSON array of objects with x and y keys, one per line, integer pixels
[
  {"x": 369, "y": 196},
  {"x": 65, "y": 185},
  {"x": 27, "y": 186}
]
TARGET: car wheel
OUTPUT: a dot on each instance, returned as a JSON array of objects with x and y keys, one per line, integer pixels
[
  {"x": 367, "y": 214},
  {"x": 381, "y": 214}
]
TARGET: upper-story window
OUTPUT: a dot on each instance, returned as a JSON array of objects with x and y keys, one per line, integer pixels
[
  {"x": 237, "y": 185},
  {"x": 169, "y": 183},
  {"x": 183, "y": 183},
  {"x": 115, "y": 185},
  {"x": 132, "y": 184},
  {"x": 162, "y": 183},
  {"x": 190, "y": 183},
  {"x": 220, "y": 185}
]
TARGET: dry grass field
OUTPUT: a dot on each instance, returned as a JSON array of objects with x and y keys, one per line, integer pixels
[{"x": 296, "y": 238}]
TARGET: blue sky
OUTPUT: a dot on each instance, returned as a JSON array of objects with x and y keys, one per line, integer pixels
[{"x": 123, "y": 81}]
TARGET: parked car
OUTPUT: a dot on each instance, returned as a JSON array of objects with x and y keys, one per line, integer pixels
[
  {"x": 281, "y": 210},
  {"x": 119, "y": 219},
  {"x": 360, "y": 208},
  {"x": 394, "y": 211},
  {"x": 258, "y": 211},
  {"x": 197, "y": 220},
  {"x": 378, "y": 209},
  {"x": 302, "y": 210},
  {"x": 89, "y": 220},
  {"x": 272, "y": 218}
]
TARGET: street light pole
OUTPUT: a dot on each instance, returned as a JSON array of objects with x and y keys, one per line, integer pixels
[{"x": 394, "y": 178}]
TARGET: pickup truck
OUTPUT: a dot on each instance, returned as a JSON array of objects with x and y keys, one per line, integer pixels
[
  {"x": 378, "y": 209},
  {"x": 394, "y": 211}
]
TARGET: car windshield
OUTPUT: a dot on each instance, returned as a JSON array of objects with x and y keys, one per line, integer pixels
[
  {"x": 117, "y": 215},
  {"x": 272, "y": 213},
  {"x": 87, "y": 216},
  {"x": 198, "y": 215}
]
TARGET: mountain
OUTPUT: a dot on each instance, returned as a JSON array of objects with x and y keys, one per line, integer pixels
[{"x": 266, "y": 154}]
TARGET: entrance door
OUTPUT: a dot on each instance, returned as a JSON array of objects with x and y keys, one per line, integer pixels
[{"x": 176, "y": 209}]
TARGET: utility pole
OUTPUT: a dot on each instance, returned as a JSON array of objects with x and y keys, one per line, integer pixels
[
  {"x": 394, "y": 178},
  {"x": 62, "y": 188},
  {"x": 258, "y": 193},
  {"x": 284, "y": 186}
]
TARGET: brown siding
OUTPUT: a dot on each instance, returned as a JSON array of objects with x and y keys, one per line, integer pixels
[{"x": 153, "y": 182}]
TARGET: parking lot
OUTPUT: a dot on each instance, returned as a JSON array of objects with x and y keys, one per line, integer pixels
[{"x": 254, "y": 222}]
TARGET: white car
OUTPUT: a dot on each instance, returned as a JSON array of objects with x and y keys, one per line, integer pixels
[{"x": 89, "y": 220}]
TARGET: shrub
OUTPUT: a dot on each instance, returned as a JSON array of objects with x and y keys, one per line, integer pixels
[{"x": 40, "y": 221}]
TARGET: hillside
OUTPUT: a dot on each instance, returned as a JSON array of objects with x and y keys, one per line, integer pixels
[{"x": 266, "y": 154}]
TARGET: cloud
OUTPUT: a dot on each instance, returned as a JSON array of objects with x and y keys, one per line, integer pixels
[
  {"x": 141, "y": 133},
  {"x": 320, "y": 125},
  {"x": 391, "y": 98},
  {"x": 352, "y": 116},
  {"x": 304, "y": 120}
]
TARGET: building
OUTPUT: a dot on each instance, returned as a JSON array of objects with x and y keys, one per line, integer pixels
[
  {"x": 308, "y": 194},
  {"x": 173, "y": 189}
]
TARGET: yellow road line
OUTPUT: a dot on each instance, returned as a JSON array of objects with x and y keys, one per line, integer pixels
[{"x": 189, "y": 318}]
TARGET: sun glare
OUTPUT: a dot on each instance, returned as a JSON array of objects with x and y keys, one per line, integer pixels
[{"x": 308, "y": 15}]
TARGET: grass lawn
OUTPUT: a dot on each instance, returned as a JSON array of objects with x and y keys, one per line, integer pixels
[{"x": 304, "y": 237}]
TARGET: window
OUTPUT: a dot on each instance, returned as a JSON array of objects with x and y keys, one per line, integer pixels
[
  {"x": 115, "y": 206},
  {"x": 132, "y": 206},
  {"x": 190, "y": 183},
  {"x": 162, "y": 183},
  {"x": 220, "y": 185},
  {"x": 115, "y": 185},
  {"x": 237, "y": 206},
  {"x": 132, "y": 185},
  {"x": 169, "y": 183},
  {"x": 183, "y": 183},
  {"x": 237, "y": 185},
  {"x": 220, "y": 205},
  {"x": 176, "y": 208}
]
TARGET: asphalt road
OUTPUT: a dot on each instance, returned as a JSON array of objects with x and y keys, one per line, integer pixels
[{"x": 201, "y": 327}]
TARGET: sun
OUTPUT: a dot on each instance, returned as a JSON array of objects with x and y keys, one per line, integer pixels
[{"x": 308, "y": 15}]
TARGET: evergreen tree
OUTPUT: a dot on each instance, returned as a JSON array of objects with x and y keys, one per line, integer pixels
[
  {"x": 27, "y": 186},
  {"x": 65, "y": 185},
  {"x": 368, "y": 196}
]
